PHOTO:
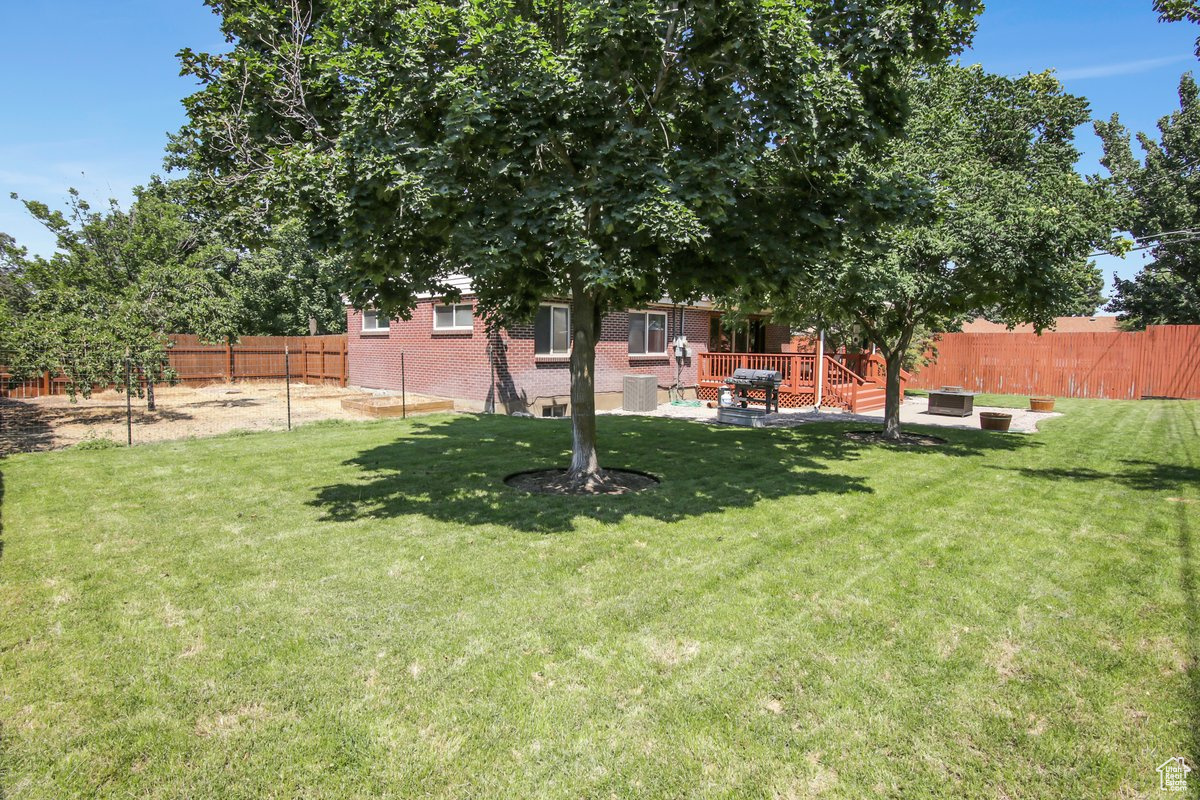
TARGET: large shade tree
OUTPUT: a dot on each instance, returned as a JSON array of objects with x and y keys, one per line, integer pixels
[
  {"x": 284, "y": 287},
  {"x": 996, "y": 222},
  {"x": 1160, "y": 205},
  {"x": 120, "y": 281},
  {"x": 595, "y": 151}
]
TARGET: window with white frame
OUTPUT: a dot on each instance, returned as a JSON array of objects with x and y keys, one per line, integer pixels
[
  {"x": 647, "y": 333},
  {"x": 552, "y": 330},
  {"x": 374, "y": 322},
  {"x": 453, "y": 317}
]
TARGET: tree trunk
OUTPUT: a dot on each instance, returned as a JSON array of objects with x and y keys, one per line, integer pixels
[
  {"x": 891, "y": 407},
  {"x": 150, "y": 406},
  {"x": 585, "y": 323}
]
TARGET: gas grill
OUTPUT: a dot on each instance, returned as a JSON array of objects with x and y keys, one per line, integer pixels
[{"x": 744, "y": 382}]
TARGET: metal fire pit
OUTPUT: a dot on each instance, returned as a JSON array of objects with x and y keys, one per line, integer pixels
[
  {"x": 952, "y": 401},
  {"x": 742, "y": 384}
]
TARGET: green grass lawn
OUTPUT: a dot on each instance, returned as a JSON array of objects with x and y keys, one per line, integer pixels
[{"x": 365, "y": 610}]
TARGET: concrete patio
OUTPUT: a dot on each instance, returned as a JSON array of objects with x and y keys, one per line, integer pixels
[{"x": 912, "y": 412}]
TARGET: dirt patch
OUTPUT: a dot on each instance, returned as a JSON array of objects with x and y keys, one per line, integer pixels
[
  {"x": 906, "y": 439},
  {"x": 672, "y": 652},
  {"x": 48, "y": 423},
  {"x": 231, "y": 722},
  {"x": 554, "y": 481},
  {"x": 1003, "y": 658}
]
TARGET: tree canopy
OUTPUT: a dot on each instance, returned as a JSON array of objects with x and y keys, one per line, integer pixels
[
  {"x": 997, "y": 220},
  {"x": 1160, "y": 205},
  {"x": 605, "y": 152},
  {"x": 118, "y": 283},
  {"x": 283, "y": 287},
  {"x": 123, "y": 280},
  {"x": 1179, "y": 11}
]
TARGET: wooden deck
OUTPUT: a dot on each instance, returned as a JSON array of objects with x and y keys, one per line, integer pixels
[{"x": 854, "y": 382}]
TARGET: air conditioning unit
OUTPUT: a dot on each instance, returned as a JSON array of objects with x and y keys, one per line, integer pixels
[{"x": 641, "y": 393}]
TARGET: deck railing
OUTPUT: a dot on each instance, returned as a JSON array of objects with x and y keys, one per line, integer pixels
[
  {"x": 798, "y": 370},
  {"x": 842, "y": 382},
  {"x": 871, "y": 366}
]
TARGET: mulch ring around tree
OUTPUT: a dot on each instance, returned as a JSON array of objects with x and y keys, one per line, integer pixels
[
  {"x": 554, "y": 481},
  {"x": 905, "y": 440}
]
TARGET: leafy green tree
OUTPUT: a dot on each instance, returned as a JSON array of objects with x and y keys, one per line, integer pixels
[
  {"x": 119, "y": 282},
  {"x": 283, "y": 283},
  {"x": 1179, "y": 11},
  {"x": 603, "y": 152},
  {"x": 998, "y": 222},
  {"x": 14, "y": 288},
  {"x": 1160, "y": 203}
]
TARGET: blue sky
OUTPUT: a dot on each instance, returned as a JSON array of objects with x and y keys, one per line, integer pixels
[{"x": 89, "y": 90}]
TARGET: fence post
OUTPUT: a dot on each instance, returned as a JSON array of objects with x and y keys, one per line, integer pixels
[
  {"x": 287, "y": 371},
  {"x": 229, "y": 359},
  {"x": 46, "y": 387},
  {"x": 345, "y": 360},
  {"x": 128, "y": 403},
  {"x": 322, "y": 362},
  {"x": 403, "y": 391}
]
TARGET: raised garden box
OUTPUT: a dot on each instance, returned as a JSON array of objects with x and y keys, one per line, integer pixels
[{"x": 395, "y": 406}]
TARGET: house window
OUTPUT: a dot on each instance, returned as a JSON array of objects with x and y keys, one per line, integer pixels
[
  {"x": 744, "y": 337},
  {"x": 555, "y": 410},
  {"x": 374, "y": 322},
  {"x": 647, "y": 333},
  {"x": 453, "y": 318},
  {"x": 552, "y": 331}
]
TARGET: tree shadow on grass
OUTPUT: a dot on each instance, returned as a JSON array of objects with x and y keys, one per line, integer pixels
[
  {"x": 1138, "y": 474},
  {"x": 453, "y": 470},
  {"x": 23, "y": 428},
  {"x": 29, "y": 426}
]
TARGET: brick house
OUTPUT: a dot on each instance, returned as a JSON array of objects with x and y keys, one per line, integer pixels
[{"x": 449, "y": 352}]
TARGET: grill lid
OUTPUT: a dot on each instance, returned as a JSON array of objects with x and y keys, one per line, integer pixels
[{"x": 756, "y": 377}]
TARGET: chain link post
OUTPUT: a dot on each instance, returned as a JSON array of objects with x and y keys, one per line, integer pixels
[
  {"x": 287, "y": 371},
  {"x": 128, "y": 402}
]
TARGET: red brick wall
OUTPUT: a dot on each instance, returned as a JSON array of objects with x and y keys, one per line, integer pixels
[
  {"x": 777, "y": 337},
  {"x": 457, "y": 365}
]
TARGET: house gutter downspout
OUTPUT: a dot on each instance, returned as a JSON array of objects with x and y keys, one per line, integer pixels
[{"x": 820, "y": 367}]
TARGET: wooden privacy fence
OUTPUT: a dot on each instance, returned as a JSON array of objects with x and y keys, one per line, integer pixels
[
  {"x": 311, "y": 359},
  {"x": 1162, "y": 361}
]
